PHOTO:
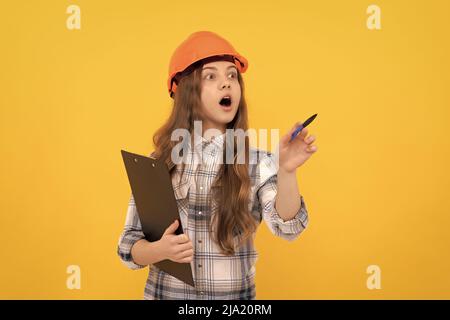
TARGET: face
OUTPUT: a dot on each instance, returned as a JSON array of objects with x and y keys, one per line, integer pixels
[{"x": 220, "y": 94}]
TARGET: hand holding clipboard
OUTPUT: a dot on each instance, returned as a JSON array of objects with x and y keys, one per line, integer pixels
[{"x": 156, "y": 205}]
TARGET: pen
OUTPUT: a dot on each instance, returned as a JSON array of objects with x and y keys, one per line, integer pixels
[{"x": 303, "y": 125}]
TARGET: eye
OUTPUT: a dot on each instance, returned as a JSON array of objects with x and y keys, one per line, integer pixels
[
  {"x": 209, "y": 76},
  {"x": 233, "y": 75}
]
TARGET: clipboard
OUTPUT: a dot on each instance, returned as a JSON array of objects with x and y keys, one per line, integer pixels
[{"x": 151, "y": 186}]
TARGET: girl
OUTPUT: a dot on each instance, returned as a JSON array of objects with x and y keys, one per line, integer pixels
[{"x": 220, "y": 202}]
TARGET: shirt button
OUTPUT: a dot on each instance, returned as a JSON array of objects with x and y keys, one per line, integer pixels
[
  {"x": 199, "y": 212},
  {"x": 199, "y": 265},
  {"x": 202, "y": 293},
  {"x": 199, "y": 241},
  {"x": 201, "y": 188}
]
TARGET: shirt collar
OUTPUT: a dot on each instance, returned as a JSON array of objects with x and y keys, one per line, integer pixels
[
  {"x": 203, "y": 146},
  {"x": 202, "y": 143}
]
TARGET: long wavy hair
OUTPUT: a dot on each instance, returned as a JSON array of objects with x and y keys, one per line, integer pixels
[{"x": 231, "y": 188}]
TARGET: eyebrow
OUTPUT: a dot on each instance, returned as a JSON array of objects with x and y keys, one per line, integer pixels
[{"x": 214, "y": 68}]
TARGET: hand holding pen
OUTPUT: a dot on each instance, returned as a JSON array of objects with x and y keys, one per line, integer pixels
[{"x": 296, "y": 147}]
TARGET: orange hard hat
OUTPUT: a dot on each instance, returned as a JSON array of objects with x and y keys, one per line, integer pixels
[{"x": 198, "y": 46}]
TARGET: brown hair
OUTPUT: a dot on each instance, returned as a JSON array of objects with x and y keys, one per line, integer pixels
[{"x": 231, "y": 188}]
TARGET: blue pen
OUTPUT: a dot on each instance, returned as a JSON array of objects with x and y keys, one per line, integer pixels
[{"x": 303, "y": 125}]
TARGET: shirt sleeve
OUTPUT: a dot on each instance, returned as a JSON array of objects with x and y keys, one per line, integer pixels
[
  {"x": 267, "y": 191},
  {"x": 132, "y": 232}
]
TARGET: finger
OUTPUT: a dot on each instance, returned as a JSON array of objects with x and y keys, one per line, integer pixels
[
  {"x": 186, "y": 254},
  {"x": 311, "y": 148},
  {"x": 296, "y": 125},
  {"x": 185, "y": 260},
  {"x": 185, "y": 246},
  {"x": 303, "y": 133},
  {"x": 181, "y": 238},
  {"x": 300, "y": 136},
  {"x": 285, "y": 139},
  {"x": 310, "y": 139},
  {"x": 172, "y": 228}
]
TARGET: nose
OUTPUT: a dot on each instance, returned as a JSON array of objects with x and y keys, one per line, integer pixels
[{"x": 225, "y": 84}]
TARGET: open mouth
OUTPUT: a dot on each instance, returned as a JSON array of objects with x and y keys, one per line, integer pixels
[{"x": 225, "y": 101}]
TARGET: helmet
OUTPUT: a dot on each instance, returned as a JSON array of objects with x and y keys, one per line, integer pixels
[{"x": 198, "y": 46}]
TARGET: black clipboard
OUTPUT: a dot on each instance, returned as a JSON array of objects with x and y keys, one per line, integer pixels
[{"x": 156, "y": 205}]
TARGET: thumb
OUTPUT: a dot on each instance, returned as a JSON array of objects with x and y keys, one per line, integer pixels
[
  {"x": 172, "y": 228},
  {"x": 287, "y": 137}
]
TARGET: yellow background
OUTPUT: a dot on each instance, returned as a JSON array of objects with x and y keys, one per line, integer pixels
[{"x": 377, "y": 190}]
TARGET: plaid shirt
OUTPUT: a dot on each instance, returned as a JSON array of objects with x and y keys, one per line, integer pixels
[{"x": 216, "y": 275}]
